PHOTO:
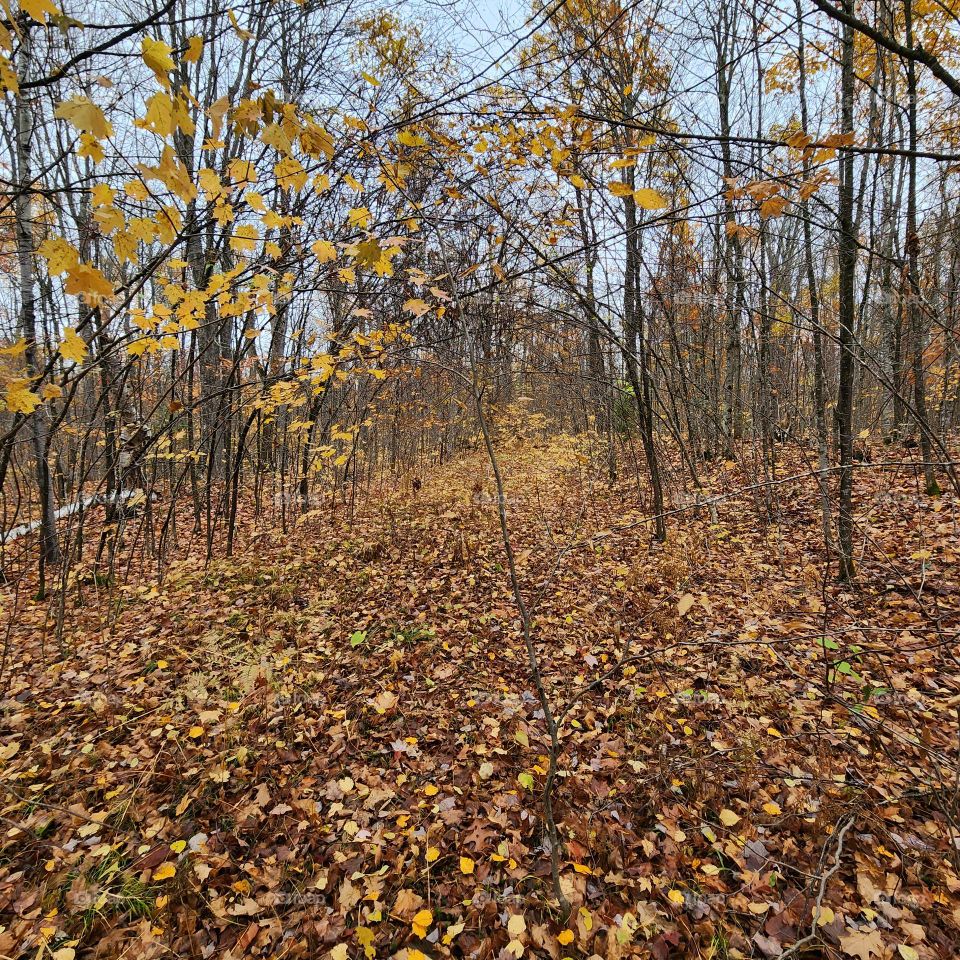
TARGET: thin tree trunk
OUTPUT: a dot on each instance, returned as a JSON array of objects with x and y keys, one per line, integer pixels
[
  {"x": 918, "y": 331},
  {"x": 732, "y": 254},
  {"x": 847, "y": 262},
  {"x": 819, "y": 369},
  {"x": 36, "y": 426}
]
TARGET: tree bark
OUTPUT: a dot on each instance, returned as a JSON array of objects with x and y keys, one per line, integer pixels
[
  {"x": 23, "y": 207},
  {"x": 847, "y": 263}
]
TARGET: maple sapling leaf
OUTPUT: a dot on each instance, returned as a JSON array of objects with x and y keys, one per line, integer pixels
[
  {"x": 324, "y": 251},
  {"x": 194, "y": 49},
  {"x": 73, "y": 348},
  {"x": 416, "y": 306},
  {"x": 156, "y": 55},
  {"x": 85, "y": 115},
  {"x": 20, "y": 398},
  {"x": 39, "y": 10}
]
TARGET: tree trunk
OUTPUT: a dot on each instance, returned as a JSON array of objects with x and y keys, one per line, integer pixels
[
  {"x": 847, "y": 263},
  {"x": 918, "y": 326},
  {"x": 819, "y": 368},
  {"x": 23, "y": 207}
]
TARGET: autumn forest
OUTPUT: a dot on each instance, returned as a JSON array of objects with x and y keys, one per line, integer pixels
[{"x": 477, "y": 479}]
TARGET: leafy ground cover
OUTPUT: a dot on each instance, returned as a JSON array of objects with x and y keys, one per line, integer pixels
[{"x": 331, "y": 743}]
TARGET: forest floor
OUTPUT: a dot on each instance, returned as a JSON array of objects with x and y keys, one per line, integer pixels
[{"x": 331, "y": 741}]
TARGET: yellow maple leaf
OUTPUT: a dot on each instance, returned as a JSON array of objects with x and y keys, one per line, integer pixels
[
  {"x": 15, "y": 349},
  {"x": 73, "y": 348},
  {"x": 324, "y": 251},
  {"x": 8, "y": 76},
  {"x": 315, "y": 140},
  {"x": 242, "y": 172},
  {"x": 290, "y": 174},
  {"x": 60, "y": 255},
  {"x": 466, "y": 865},
  {"x": 411, "y": 139},
  {"x": 194, "y": 49},
  {"x": 774, "y": 207},
  {"x": 255, "y": 201},
  {"x": 90, "y": 147},
  {"x": 87, "y": 281},
  {"x": 369, "y": 253},
  {"x": 20, "y": 398},
  {"x": 359, "y": 216},
  {"x": 240, "y": 32},
  {"x": 156, "y": 55},
  {"x": 244, "y": 239},
  {"x": 165, "y": 114},
  {"x": 565, "y": 937},
  {"x": 85, "y": 115},
  {"x": 416, "y": 306},
  {"x": 39, "y": 10}
]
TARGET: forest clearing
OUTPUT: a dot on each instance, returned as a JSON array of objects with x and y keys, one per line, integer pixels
[{"x": 480, "y": 480}]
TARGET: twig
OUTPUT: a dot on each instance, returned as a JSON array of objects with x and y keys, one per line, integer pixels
[{"x": 821, "y": 893}]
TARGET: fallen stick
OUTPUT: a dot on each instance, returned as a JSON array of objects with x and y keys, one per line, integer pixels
[{"x": 95, "y": 500}]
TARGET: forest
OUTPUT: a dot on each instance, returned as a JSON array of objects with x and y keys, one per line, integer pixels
[{"x": 477, "y": 479}]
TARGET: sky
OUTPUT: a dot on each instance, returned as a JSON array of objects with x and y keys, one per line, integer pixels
[{"x": 480, "y": 30}]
